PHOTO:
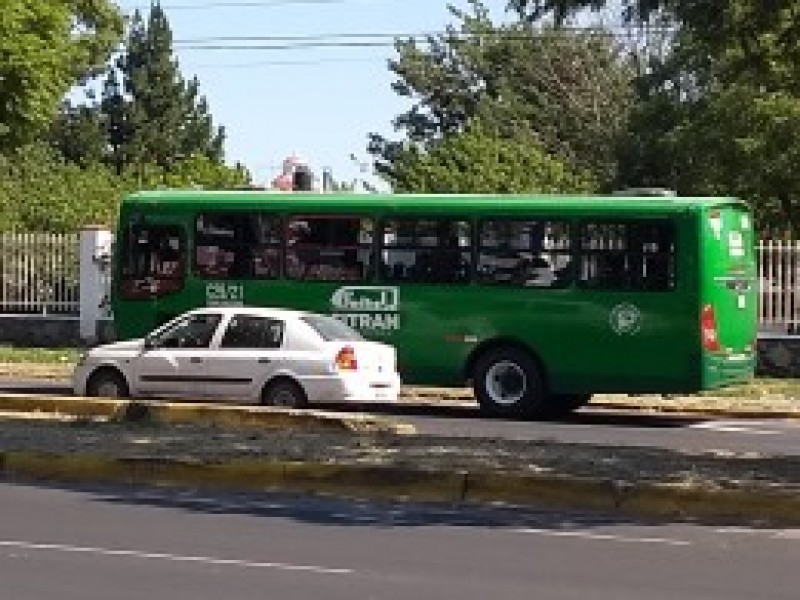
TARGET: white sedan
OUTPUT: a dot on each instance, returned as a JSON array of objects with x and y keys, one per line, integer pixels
[{"x": 268, "y": 355}]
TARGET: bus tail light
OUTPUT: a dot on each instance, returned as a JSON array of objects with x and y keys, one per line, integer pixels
[
  {"x": 346, "y": 359},
  {"x": 708, "y": 329}
]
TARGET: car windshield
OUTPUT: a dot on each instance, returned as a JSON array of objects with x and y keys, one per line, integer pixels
[{"x": 332, "y": 330}]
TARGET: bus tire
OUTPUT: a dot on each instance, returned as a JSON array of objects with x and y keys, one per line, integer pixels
[
  {"x": 508, "y": 382},
  {"x": 107, "y": 382},
  {"x": 562, "y": 405},
  {"x": 284, "y": 392}
]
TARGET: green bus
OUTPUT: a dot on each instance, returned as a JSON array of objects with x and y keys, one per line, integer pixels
[{"x": 536, "y": 301}]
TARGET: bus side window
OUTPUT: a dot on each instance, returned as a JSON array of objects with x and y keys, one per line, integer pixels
[
  {"x": 426, "y": 251},
  {"x": 635, "y": 255},
  {"x": 329, "y": 248},
  {"x": 154, "y": 262},
  {"x": 237, "y": 245},
  {"x": 526, "y": 253}
]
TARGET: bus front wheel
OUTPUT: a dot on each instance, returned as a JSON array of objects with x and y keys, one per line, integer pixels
[{"x": 508, "y": 383}]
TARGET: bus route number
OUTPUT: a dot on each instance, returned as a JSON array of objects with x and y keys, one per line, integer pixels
[{"x": 224, "y": 294}]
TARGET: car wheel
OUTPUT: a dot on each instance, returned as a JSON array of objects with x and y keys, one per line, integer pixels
[
  {"x": 562, "y": 405},
  {"x": 107, "y": 383},
  {"x": 284, "y": 392},
  {"x": 508, "y": 383}
]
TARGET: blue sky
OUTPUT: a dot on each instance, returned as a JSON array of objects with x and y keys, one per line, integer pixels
[{"x": 319, "y": 103}]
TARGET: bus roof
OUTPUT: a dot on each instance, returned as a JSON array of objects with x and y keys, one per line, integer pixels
[{"x": 425, "y": 203}]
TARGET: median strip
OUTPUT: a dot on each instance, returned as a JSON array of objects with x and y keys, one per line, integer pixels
[
  {"x": 669, "y": 501},
  {"x": 64, "y": 408}
]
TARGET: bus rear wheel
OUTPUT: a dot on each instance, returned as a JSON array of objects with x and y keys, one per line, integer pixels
[{"x": 509, "y": 383}]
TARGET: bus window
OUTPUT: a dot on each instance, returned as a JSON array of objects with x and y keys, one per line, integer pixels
[
  {"x": 525, "y": 253},
  {"x": 426, "y": 251},
  {"x": 154, "y": 262},
  {"x": 237, "y": 245},
  {"x": 638, "y": 255},
  {"x": 322, "y": 248}
]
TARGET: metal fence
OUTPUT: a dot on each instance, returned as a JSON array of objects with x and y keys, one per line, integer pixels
[
  {"x": 778, "y": 277},
  {"x": 39, "y": 273}
]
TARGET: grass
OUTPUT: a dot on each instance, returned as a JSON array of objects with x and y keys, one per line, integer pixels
[{"x": 13, "y": 354}]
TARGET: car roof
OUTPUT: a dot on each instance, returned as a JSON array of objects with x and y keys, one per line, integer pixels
[{"x": 260, "y": 311}]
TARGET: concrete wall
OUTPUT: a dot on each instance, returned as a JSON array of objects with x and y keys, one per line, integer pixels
[
  {"x": 51, "y": 331},
  {"x": 778, "y": 355}
]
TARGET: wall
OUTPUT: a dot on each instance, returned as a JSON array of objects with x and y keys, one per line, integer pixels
[
  {"x": 48, "y": 331},
  {"x": 778, "y": 355}
]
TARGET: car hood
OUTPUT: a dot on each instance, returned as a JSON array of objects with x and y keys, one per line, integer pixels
[{"x": 127, "y": 348}]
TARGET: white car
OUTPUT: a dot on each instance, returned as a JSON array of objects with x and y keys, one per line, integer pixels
[{"x": 268, "y": 355}]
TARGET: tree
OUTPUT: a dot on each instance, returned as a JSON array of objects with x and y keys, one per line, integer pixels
[
  {"x": 480, "y": 161},
  {"x": 45, "y": 48},
  {"x": 166, "y": 117},
  {"x": 567, "y": 90},
  {"x": 719, "y": 113}
]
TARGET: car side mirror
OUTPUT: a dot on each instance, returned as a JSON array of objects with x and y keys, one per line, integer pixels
[{"x": 149, "y": 344}]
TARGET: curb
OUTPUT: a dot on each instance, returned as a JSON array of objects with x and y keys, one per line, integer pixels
[
  {"x": 406, "y": 484},
  {"x": 25, "y": 406}
]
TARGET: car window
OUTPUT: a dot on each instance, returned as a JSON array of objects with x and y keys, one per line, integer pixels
[
  {"x": 248, "y": 331},
  {"x": 195, "y": 331},
  {"x": 332, "y": 330}
]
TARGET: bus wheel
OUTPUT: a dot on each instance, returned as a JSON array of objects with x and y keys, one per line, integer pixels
[
  {"x": 508, "y": 383},
  {"x": 107, "y": 383},
  {"x": 562, "y": 405},
  {"x": 284, "y": 392}
]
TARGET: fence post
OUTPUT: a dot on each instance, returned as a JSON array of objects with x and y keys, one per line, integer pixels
[{"x": 94, "y": 252}]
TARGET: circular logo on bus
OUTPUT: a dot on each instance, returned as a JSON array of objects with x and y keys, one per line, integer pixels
[{"x": 625, "y": 319}]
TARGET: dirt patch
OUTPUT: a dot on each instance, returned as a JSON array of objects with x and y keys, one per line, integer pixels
[{"x": 620, "y": 464}]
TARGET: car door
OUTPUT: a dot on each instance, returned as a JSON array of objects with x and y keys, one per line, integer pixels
[
  {"x": 174, "y": 361},
  {"x": 249, "y": 353}
]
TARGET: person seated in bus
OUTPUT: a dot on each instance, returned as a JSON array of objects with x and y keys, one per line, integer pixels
[
  {"x": 534, "y": 271},
  {"x": 168, "y": 258}
]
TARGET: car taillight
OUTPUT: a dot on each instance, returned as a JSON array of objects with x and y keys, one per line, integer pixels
[
  {"x": 708, "y": 329},
  {"x": 346, "y": 359}
]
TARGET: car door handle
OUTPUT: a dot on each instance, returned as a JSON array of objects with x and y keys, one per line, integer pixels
[
  {"x": 195, "y": 359},
  {"x": 264, "y": 361}
]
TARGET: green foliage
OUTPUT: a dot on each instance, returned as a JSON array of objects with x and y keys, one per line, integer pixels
[
  {"x": 569, "y": 91},
  {"x": 719, "y": 113},
  {"x": 165, "y": 116},
  {"x": 479, "y": 161},
  {"x": 45, "y": 47},
  {"x": 41, "y": 191},
  {"x": 147, "y": 113}
]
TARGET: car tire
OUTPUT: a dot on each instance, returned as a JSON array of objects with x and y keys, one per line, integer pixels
[
  {"x": 107, "y": 383},
  {"x": 284, "y": 393},
  {"x": 562, "y": 405},
  {"x": 508, "y": 382}
]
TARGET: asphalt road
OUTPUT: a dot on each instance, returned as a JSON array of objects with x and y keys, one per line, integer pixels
[
  {"x": 123, "y": 543},
  {"x": 593, "y": 426}
]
